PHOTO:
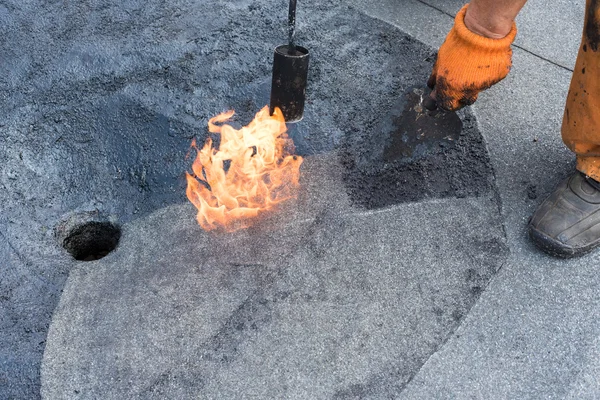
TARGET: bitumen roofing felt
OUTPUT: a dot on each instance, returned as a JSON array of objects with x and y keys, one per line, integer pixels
[{"x": 439, "y": 296}]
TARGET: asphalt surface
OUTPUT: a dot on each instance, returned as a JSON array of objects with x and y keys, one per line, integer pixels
[{"x": 101, "y": 103}]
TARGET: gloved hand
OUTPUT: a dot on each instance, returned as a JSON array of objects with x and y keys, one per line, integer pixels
[{"x": 468, "y": 63}]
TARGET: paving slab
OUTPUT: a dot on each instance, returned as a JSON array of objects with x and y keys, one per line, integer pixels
[
  {"x": 324, "y": 300},
  {"x": 417, "y": 18}
]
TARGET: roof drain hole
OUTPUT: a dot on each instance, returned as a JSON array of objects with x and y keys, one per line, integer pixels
[{"x": 92, "y": 240}]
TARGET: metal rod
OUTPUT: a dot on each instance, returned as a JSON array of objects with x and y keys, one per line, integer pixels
[{"x": 292, "y": 27}]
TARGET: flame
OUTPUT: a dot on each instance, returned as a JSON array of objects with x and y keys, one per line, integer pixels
[{"x": 252, "y": 171}]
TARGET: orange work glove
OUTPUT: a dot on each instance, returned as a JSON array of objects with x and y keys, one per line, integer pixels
[{"x": 468, "y": 63}]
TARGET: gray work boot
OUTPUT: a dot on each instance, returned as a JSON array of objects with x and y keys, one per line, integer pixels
[{"x": 567, "y": 224}]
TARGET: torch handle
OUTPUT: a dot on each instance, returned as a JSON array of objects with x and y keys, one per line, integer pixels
[{"x": 292, "y": 27}]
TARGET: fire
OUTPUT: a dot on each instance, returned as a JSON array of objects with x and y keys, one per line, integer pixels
[{"x": 252, "y": 171}]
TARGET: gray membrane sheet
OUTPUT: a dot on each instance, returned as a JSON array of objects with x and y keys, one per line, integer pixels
[
  {"x": 319, "y": 300},
  {"x": 101, "y": 103}
]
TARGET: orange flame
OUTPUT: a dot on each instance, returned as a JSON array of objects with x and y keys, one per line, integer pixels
[{"x": 253, "y": 170}]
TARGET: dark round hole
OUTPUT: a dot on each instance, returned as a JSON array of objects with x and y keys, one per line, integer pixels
[{"x": 92, "y": 240}]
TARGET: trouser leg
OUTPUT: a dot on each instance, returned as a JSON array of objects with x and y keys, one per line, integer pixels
[{"x": 581, "y": 120}]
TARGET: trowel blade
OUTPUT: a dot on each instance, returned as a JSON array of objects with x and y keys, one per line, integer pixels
[{"x": 415, "y": 132}]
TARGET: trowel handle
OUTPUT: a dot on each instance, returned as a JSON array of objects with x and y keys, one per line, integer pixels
[{"x": 292, "y": 26}]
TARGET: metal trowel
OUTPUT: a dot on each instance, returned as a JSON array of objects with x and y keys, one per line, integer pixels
[
  {"x": 417, "y": 128},
  {"x": 290, "y": 73}
]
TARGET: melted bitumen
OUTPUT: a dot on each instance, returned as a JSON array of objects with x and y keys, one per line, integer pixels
[
  {"x": 415, "y": 154},
  {"x": 417, "y": 133}
]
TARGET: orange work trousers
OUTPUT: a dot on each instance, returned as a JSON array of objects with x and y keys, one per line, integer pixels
[{"x": 581, "y": 120}]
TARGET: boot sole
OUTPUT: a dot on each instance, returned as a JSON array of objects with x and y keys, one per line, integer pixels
[{"x": 555, "y": 248}]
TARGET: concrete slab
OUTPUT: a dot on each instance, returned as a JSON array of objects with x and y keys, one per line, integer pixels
[
  {"x": 321, "y": 301},
  {"x": 552, "y": 30},
  {"x": 417, "y": 18}
]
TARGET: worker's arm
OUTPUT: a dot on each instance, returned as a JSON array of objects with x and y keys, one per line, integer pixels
[
  {"x": 492, "y": 18},
  {"x": 476, "y": 53}
]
